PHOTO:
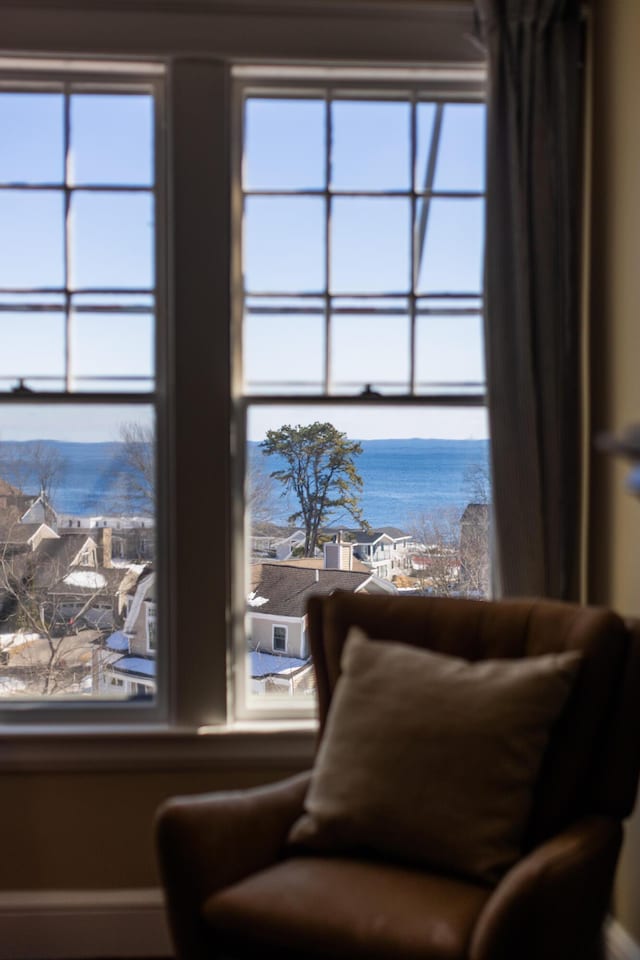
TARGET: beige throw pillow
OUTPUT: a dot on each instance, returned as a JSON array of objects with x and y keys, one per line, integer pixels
[{"x": 432, "y": 759}]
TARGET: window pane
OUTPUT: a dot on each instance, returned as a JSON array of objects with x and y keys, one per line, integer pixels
[
  {"x": 449, "y": 351},
  {"x": 418, "y": 477},
  {"x": 452, "y": 258},
  {"x": 461, "y": 155},
  {"x": 112, "y": 240},
  {"x": 370, "y": 245},
  {"x": 425, "y": 117},
  {"x": 77, "y": 539},
  {"x": 108, "y": 346},
  {"x": 32, "y": 348},
  {"x": 371, "y": 145},
  {"x": 370, "y": 346},
  {"x": 284, "y": 352},
  {"x": 284, "y": 240},
  {"x": 112, "y": 139},
  {"x": 32, "y": 148},
  {"x": 31, "y": 239},
  {"x": 284, "y": 144}
]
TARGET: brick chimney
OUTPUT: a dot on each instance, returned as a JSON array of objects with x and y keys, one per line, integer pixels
[{"x": 104, "y": 547}]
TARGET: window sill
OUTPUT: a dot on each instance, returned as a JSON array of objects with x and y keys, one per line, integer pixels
[{"x": 261, "y": 745}]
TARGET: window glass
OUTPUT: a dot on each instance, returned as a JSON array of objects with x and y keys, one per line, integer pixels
[
  {"x": 371, "y": 146},
  {"x": 77, "y": 548},
  {"x": 112, "y": 139},
  {"x": 390, "y": 493},
  {"x": 32, "y": 138},
  {"x": 78, "y": 475},
  {"x": 285, "y": 143}
]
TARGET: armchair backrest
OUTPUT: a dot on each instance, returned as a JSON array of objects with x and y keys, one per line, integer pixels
[{"x": 593, "y": 758}]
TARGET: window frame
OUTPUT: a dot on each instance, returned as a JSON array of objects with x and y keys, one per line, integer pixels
[
  {"x": 279, "y": 626},
  {"x": 459, "y": 83},
  {"x": 18, "y": 74},
  {"x": 202, "y": 277}
]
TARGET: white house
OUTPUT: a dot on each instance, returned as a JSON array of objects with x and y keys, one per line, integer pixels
[
  {"x": 126, "y": 665},
  {"x": 386, "y": 552},
  {"x": 277, "y": 619}
]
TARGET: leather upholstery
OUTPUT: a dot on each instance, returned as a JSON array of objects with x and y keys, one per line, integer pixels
[{"x": 234, "y": 889}]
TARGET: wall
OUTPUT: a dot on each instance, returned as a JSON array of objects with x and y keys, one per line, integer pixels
[
  {"x": 615, "y": 275},
  {"x": 76, "y": 828},
  {"x": 83, "y": 830}
]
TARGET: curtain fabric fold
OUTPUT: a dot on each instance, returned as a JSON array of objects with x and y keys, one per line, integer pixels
[{"x": 532, "y": 306}]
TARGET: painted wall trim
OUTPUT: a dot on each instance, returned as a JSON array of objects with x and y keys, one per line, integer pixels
[
  {"x": 74, "y": 924},
  {"x": 284, "y": 745},
  {"x": 620, "y": 946}
]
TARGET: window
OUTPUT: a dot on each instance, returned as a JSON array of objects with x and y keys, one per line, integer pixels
[
  {"x": 279, "y": 639},
  {"x": 360, "y": 253},
  {"x": 151, "y": 626},
  {"x": 353, "y": 238},
  {"x": 81, "y": 313}
]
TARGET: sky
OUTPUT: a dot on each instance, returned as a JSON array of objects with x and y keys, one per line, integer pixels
[{"x": 286, "y": 252}]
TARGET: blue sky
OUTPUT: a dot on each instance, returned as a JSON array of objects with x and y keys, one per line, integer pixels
[{"x": 111, "y": 245}]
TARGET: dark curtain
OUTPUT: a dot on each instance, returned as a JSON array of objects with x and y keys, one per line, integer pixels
[{"x": 532, "y": 290}]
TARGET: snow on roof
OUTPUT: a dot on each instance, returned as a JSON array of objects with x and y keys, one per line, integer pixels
[
  {"x": 16, "y": 639},
  {"x": 268, "y": 664},
  {"x": 254, "y": 601},
  {"x": 118, "y": 641},
  {"x": 138, "y": 665},
  {"x": 86, "y": 578}
]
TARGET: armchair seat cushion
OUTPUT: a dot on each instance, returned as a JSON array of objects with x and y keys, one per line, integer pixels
[{"x": 310, "y": 907}]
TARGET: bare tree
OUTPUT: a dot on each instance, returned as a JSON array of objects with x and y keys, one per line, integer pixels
[
  {"x": 135, "y": 467},
  {"x": 45, "y": 654},
  {"x": 454, "y": 554},
  {"x": 37, "y": 465},
  {"x": 477, "y": 483},
  {"x": 437, "y": 537},
  {"x": 261, "y": 493}
]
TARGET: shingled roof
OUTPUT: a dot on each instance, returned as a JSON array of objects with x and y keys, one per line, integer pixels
[{"x": 284, "y": 590}]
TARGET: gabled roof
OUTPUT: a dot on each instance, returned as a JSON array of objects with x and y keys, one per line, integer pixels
[
  {"x": 283, "y": 589},
  {"x": 145, "y": 590},
  {"x": 474, "y": 512},
  {"x": 21, "y": 532},
  {"x": 64, "y": 550},
  {"x": 372, "y": 536}
]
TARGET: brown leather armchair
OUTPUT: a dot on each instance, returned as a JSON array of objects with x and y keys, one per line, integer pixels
[{"x": 234, "y": 889}]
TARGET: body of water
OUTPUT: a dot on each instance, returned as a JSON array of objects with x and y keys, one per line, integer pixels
[{"x": 402, "y": 478}]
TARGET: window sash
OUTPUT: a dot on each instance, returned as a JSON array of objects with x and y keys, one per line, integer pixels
[
  {"x": 463, "y": 85},
  {"x": 104, "y": 77}
]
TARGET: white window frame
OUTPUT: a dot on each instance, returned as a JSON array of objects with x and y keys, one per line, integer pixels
[
  {"x": 461, "y": 84},
  {"x": 198, "y": 586},
  {"x": 44, "y": 74},
  {"x": 279, "y": 626}
]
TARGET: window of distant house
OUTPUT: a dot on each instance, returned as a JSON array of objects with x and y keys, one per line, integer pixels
[
  {"x": 81, "y": 301},
  {"x": 280, "y": 639},
  {"x": 151, "y": 626},
  {"x": 361, "y": 384}
]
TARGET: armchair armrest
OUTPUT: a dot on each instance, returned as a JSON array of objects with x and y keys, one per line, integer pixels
[
  {"x": 209, "y": 841},
  {"x": 558, "y": 892}
]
